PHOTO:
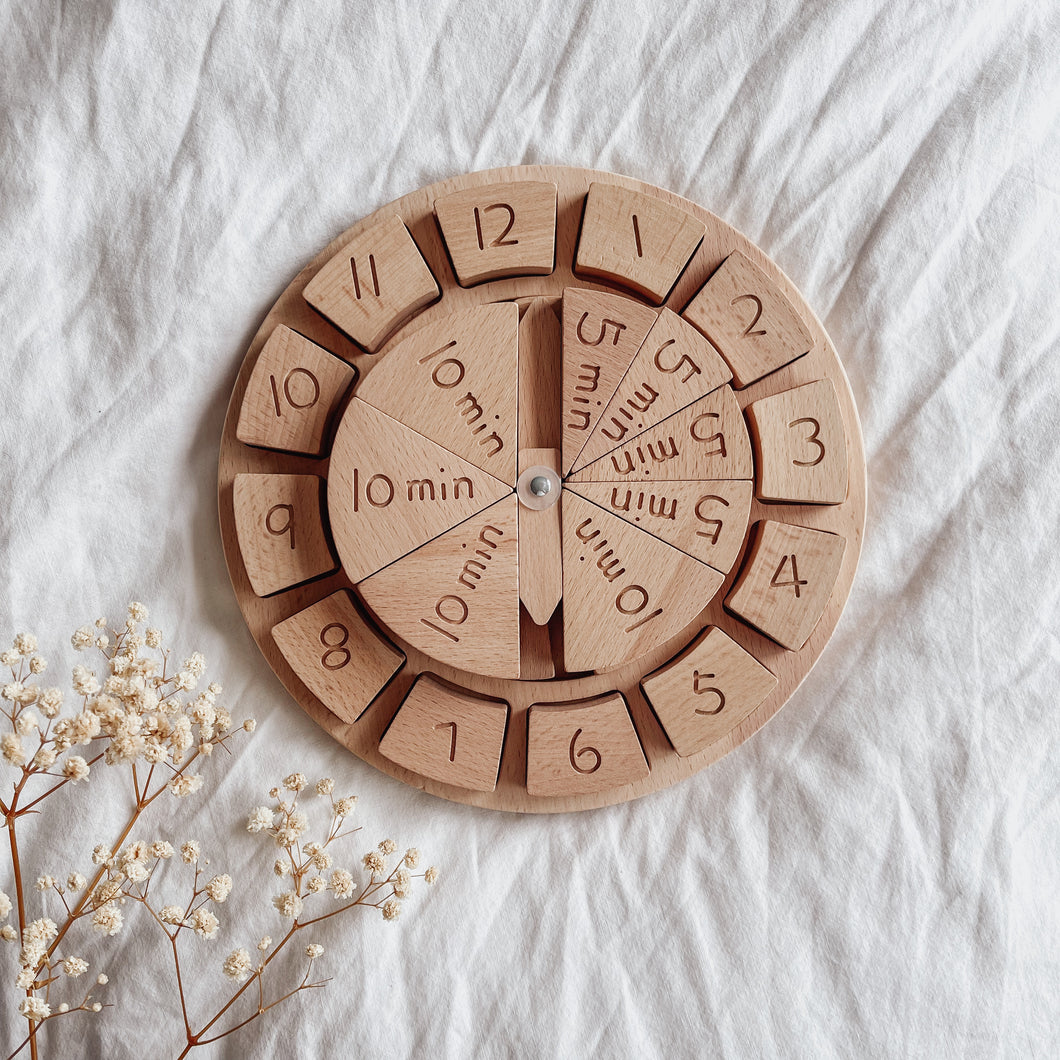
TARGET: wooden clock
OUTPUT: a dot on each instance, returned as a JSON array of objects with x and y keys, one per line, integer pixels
[{"x": 541, "y": 488}]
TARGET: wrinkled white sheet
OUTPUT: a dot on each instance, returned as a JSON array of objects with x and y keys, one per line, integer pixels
[{"x": 874, "y": 874}]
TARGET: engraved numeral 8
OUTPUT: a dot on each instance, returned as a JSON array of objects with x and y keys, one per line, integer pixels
[
  {"x": 575, "y": 755},
  {"x": 336, "y": 647}
]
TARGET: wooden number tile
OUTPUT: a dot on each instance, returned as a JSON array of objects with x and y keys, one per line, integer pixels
[
  {"x": 582, "y": 748},
  {"x": 341, "y": 659},
  {"x": 635, "y": 240},
  {"x": 292, "y": 393},
  {"x": 743, "y": 312},
  {"x": 784, "y": 587},
  {"x": 374, "y": 284},
  {"x": 391, "y": 489},
  {"x": 456, "y": 381},
  {"x": 674, "y": 367},
  {"x": 707, "y": 440},
  {"x": 707, "y": 520},
  {"x": 448, "y": 734},
  {"x": 280, "y": 530},
  {"x": 457, "y": 597},
  {"x": 706, "y": 691},
  {"x": 601, "y": 336},
  {"x": 801, "y": 447},
  {"x": 624, "y": 591},
  {"x": 540, "y": 567},
  {"x": 502, "y": 229}
]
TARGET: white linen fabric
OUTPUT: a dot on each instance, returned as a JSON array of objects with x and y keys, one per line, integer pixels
[{"x": 876, "y": 872}]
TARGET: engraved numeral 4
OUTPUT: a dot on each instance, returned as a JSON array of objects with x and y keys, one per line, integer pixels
[{"x": 794, "y": 581}]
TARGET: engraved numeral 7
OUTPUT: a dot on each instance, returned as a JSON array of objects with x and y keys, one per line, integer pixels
[{"x": 452, "y": 742}]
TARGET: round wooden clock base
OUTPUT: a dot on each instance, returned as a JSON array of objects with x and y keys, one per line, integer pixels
[{"x": 541, "y": 488}]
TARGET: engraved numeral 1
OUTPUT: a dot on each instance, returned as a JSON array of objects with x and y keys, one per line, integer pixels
[
  {"x": 636, "y": 236},
  {"x": 575, "y": 755},
  {"x": 286, "y": 388},
  {"x": 701, "y": 691},
  {"x": 452, "y": 742},
  {"x": 500, "y": 241},
  {"x": 288, "y": 525},
  {"x": 356, "y": 279},
  {"x": 812, "y": 439},
  {"x": 335, "y": 648},
  {"x": 793, "y": 581},
  {"x": 758, "y": 312}
]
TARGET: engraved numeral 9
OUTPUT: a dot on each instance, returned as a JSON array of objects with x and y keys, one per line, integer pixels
[
  {"x": 272, "y": 521},
  {"x": 291, "y": 398},
  {"x": 699, "y": 690},
  {"x": 334, "y": 637},
  {"x": 592, "y": 752}
]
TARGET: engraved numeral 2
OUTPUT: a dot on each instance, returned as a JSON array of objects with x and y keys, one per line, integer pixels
[
  {"x": 290, "y": 398},
  {"x": 452, "y": 741},
  {"x": 793, "y": 581},
  {"x": 758, "y": 312},
  {"x": 335, "y": 647},
  {"x": 500, "y": 241},
  {"x": 812, "y": 439},
  {"x": 701, "y": 691},
  {"x": 575, "y": 755}
]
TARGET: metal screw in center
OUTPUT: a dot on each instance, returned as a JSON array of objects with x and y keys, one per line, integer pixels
[{"x": 540, "y": 485}]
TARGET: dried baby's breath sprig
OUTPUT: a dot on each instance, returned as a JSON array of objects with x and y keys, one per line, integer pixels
[{"x": 134, "y": 710}]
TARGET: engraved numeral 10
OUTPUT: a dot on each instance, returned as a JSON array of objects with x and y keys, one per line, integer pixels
[
  {"x": 291, "y": 397},
  {"x": 499, "y": 241},
  {"x": 777, "y": 582},
  {"x": 592, "y": 752},
  {"x": 334, "y": 637}
]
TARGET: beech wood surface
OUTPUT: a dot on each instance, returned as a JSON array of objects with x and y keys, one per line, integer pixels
[{"x": 666, "y": 766}]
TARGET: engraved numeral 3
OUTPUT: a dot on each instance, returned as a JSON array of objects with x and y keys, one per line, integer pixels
[{"x": 812, "y": 439}]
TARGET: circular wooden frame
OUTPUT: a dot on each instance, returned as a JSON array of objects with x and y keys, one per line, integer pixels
[{"x": 666, "y": 767}]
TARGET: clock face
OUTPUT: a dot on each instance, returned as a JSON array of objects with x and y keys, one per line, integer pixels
[{"x": 541, "y": 488}]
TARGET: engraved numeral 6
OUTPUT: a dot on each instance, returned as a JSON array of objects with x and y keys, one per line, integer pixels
[
  {"x": 700, "y": 690},
  {"x": 335, "y": 645},
  {"x": 592, "y": 752}
]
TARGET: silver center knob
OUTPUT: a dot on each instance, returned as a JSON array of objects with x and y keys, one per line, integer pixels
[{"x": 540, "y": 485}]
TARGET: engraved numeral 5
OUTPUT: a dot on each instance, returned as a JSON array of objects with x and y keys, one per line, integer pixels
[
  {"x": 335, "y": 647},
  {"x": 812, "y": 439},
  {"x": 575, "y": 755},
  {"x": 702, "y": 691},
  {"x": 793, "y": 581}
]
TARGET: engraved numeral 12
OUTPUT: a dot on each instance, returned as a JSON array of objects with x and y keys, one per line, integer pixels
[
  {"x": 793, "y": 581},
  {"x": 500, "y": 241}
]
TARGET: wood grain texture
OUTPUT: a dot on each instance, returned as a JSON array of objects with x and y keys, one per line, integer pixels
[
  {"x": 280, "y": 530},
  {"x": 362, "y": 738},
  {"x": 540, "y": 370},
  {"x": 601, "y": 335},
  {"x": 750, "y": 320},
  {"x": 707, "y": 440},
  {"x": 787, "y": 582},
  {"x": 800, "y": 445},
  {"x": 457, "y": 597},
  {"x": 706, "y": 519},
  {"x": 504, "y": 229},
  {"x": 292, "y": 394},
  {"x": 583, "y": 748},
  {"x": 448, "y": 734},
  {"x": 636, "y": 240},
  {"x": 624, "y": 591},
  {"x": 674, "y": 367},
  {"x": 706, "y": 691},
  {"x": 456, "y": 382},
  {"x": 390, "y": 490},
  {"x": 339, "y": 657},
  {"x": 540, "y": 546},
  {"x": 374, "y": 284}
]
